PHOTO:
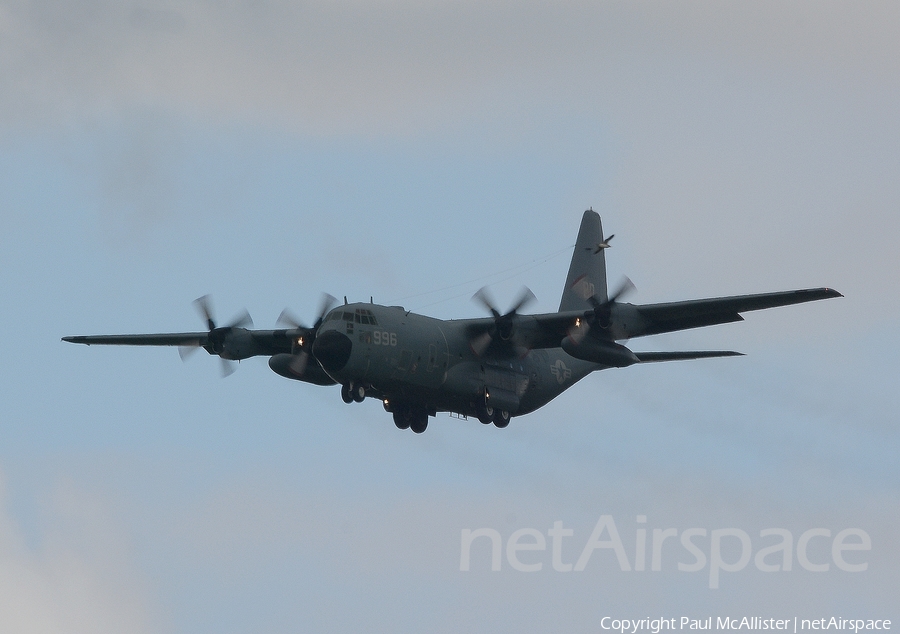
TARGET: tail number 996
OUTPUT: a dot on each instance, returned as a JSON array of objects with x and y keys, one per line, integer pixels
[{"x": 384, "y": 338}]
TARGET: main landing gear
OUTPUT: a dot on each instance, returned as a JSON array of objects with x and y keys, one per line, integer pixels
[
  {"x": 406, "y": 415},
  {"x": 488, "y": 415},
  {"x": 412, "y": 417}
]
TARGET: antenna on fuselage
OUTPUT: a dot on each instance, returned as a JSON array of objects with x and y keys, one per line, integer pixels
[{"x": 345, "y": 300}]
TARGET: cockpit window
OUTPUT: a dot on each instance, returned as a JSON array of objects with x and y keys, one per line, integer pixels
[
  {"x": 362, "y": 316},
  {"x": 365, "y": 316}
]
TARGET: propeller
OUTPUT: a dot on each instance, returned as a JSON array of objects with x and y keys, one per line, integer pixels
[
  {"x": 504, "y": 324},
  {"x": 305, "y": 340},
  {"x": 241, "y": 321},
  {"x": 215, "y": 338},
  {"x": 603, "y": 310},
  {"x": 227, "y": 367}
]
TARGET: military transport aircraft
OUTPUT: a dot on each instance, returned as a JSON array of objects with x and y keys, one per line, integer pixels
[{"x": 490, "y": 368}]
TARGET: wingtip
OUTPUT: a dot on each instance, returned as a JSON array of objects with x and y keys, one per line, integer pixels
[{"x": 78, "y": 339}]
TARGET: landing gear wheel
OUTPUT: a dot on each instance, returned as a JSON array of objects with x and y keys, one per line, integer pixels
[
  {"x": 501, "y": 418},
  {"x": 345, "y": 394},
  {"x": 412, "y": 417},
  {"x": 357, "y": 393},
  {"x": 485, "y": 414},
  {"x": 401, "y": 417},
  {"x": 419, "y": 421}
]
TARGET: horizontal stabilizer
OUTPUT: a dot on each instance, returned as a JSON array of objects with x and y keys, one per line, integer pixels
[{"x": 651, "y": 357}]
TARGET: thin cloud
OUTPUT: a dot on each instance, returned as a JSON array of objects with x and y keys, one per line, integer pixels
[
  {"x": 403, "y": 67},
  {"x": 76, "y": 580}
]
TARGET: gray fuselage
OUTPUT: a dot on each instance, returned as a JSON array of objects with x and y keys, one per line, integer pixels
[{"x": 404, "y": 357}]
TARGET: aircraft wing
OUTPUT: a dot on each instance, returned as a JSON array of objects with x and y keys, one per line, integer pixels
[
  {"x": 668, "y": 317},
  {"x": 166, "y": 339},
  {"x": 629, "y": 320},
  {"x": 230, "y": 342}
]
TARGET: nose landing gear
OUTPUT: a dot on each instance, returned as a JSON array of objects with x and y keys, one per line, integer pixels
[{"x": 353, "y": 393}]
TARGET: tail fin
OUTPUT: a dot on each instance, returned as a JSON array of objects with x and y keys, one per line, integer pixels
[{"x": 587, "y": 272}]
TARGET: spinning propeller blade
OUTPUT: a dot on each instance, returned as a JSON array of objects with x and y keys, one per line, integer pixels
[
  {"x": 504, "y": 325},
  {"x": 603, "y": 310},
  {"x": 286, "y": 318},
  {"x": 216, "y": 336}
]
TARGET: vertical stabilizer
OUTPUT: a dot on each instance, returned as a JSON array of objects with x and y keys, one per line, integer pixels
[{"x": 587, "y": 272}]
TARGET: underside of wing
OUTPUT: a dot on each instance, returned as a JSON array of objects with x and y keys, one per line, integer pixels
[
  {"x": 228, "y": 342},
  {"x": 163, "y": 339},
  {"x": 629, "y": 321},
  {"x": 669, "y": 317}
]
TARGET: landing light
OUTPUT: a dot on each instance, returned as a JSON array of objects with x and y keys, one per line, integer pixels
[{"x": 578, "y": 322}]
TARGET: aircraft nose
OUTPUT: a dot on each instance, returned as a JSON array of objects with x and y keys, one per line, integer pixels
[{"x": 332, "y": 350}]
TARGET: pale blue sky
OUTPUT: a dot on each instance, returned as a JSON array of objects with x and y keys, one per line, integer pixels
[{"x": 266, "y": 153}]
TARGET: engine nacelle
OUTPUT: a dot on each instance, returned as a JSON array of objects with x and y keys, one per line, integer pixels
[
  {"x": 232, "y": 343},
  {"x": 600, "y": 351},
  {"x": 312, "y": 373}
]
